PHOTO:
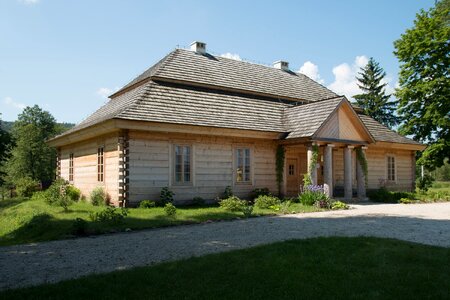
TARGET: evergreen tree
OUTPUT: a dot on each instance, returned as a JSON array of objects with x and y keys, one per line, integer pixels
[
  {"x": 32, "y": 157},
  {"x": 424, "y": 103},
  {"x": 374, "y": 100},
  {"x": 5, "y": 144}
]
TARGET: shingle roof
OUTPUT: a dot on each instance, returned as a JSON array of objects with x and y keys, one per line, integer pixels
[
  {"x": 382, "y": 133},
  {"x": 188, "y": 66}
]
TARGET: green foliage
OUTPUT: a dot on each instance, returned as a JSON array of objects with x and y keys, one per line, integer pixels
[
  {"x": 282, "y": 207},
  {"x": 73, "y": 192},
  {"x": 307, "y": 181},
  {"x": 260, "y": 192},
  {"x": 147, "y": 204},
  {"x": 26, "y": 186},
  {"x": 166, "y": 196},
  {"x": 31, "y": 156},
  {"x": 374, "y": 101},
  {"x": 443, "y": 173},
  {"x": 324, "y": 203},
  {"x": 98, "y": 196},
  {"x": 405, "y": 201},
  {"x": 338, "y": 205},
  {"x": 363, "y": 162},
  {"x": 314, "y": 159},
  {"x": 5, "y": 145},
  {"x": 385, "y": 196},
  {"x": 424, "y": 85},
  {"x": 279, "y": 166},
  {"x": 110, "y": 215},
  {"x": 57, "y": 194},
  {"x": 170, "y": 210},
  {"x": 198, "y": 201},
  {"x": 80, "y": 226},
  {"x": 312, "y": 194},
  {"x": 264, "y": 201},
  {"x": 233, "y": 203},
  {"x": 247, "y": 210},
  {"x": 228, "y": 192},
  {"x": 424, "y": 183}
]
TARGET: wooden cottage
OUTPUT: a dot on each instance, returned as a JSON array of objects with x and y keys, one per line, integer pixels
[{"x": 197, "y": 123}]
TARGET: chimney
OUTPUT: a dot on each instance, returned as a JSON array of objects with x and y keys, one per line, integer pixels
[
  {"x": 282, "y": 65},
  {"x": 198, "y": 47}
]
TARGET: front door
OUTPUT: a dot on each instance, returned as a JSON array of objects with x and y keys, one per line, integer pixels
[{"x": 292, "y": 180}]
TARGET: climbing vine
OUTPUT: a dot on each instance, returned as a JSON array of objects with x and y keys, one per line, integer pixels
[
  {"x": 280, "y": 166},
  {"x": 314, "y": 158},
  {"x": 363, "y": 162}
]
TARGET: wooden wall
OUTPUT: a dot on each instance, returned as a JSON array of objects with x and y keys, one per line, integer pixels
[
  {"x": 85, "y": 165},
  {"x": 150, "y": 170}
]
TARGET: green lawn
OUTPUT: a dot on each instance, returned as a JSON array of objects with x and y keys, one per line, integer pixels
[
  {"x": 25, "y": 221},
  {"x": 321, "y": 268}
]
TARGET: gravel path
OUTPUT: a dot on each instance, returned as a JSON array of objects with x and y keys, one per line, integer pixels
[{"x": 34, "y": 264}]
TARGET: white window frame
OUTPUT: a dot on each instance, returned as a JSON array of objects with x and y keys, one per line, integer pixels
[
  {"x": 388, "y": 157},
  {"x": 71, "y": 166},
  {"x": 101, "y": 174},
  {"x": 191, "y": 165},
  {"x": 235, "y": 165}
]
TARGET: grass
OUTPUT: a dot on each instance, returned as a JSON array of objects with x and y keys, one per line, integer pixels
[
  {"x": 441, "y": 186},
  {"x": 26, "y": 221},
  {"x": 320, "y": 268}
]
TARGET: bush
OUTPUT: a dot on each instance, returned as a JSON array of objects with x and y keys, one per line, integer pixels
[
  {"x": 147, "y": 204},
  {"x": 323, "y": 203},
  {"x": 166, "y": 196},
  {"x": 109, "y": 215},
  {"x": 405, "y": 201},
  {"x": 170, "y": 210},
  {"x": 79, "y": 226},
  {"x": 233, "y": 203},
  {"x": 247, "y": 210},
  {"x": 260, "y": 192},
  {"x": 73, "y": 193},
  {"x": 57, "y": 195},
  {"x": 312, "y": 194},
  {"x": 265, "y": 201},
  {"x": 25, "y": 187},
  {"x": 283, "y": 207},
  {"x": 98, "y": 196},
  {"x": 198, "y": 201},
  {"x": 337, "y": 205},
  {"x": 423, "y": 184},
  {"x": 385, "y": 196},
  {"x": 228, "y": 192}
]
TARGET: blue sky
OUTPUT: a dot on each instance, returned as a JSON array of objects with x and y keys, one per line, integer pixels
[{"x": 66, "y": 56}]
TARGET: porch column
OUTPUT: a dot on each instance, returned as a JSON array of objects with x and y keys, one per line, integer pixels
[
  {"x": 348, "y": 172},
  {"x": 313, "y": 174},
  {"x": 361, "y": 177},
  {"x": 328, "y": 169}
]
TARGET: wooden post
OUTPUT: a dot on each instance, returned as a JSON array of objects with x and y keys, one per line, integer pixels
[
  {"x": 348, "y": 189},
  {"x": 328, "y": 170}
]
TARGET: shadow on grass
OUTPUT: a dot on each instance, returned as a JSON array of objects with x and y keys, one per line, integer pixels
[{"x": 12, "y": 202}]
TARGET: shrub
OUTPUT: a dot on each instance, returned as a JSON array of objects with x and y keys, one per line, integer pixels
[
  {"x": 283, "y": 207},
  {"x": 424, "y": 183},
  {"x": 73, "y": 193},
  {"x": 385, "y": 196},
  {"x": 233, "y": 203},
  {"x": 228, "y": 192},
  {"x": 311, "y": 194},
  {"x": 166, "y": 196},
  {"x": 109, "y": 215},
  {"x": 147, "y": 204},
  {"x": 323, "y": 203},
  {"x": 98, "y": 196},
  {"x": 260, "y": 192},
  {"x": 337, "y": 205},
  {"x": 57, "y": 195},
  {"x": 25, "y": 187},
  {"x": 265, "y": 201},
  {"x": 405, "y": 201},
  {"x": 79, "y": 226},
  {"x": 247, "y": 210},
  {"x": 170, "y": 210},
  {"x": 198, "y": 201}
]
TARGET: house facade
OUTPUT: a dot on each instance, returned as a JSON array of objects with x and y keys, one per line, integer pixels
[{"x": 197, "y": 123}]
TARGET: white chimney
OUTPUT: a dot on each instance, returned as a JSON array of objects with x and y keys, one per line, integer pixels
[
  {"x": 282, "y": 65},
  {"x": 198, "y": 47}
]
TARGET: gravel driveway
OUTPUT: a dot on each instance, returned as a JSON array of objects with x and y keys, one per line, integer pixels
[{"x": 35, "y": 264}]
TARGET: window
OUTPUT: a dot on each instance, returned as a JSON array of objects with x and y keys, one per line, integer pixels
[
  {"x": 183, "y": 164},
  {"x": 71, "y": 167},
  {"x": 100, "y": 164},
  {"x": 243, "y": 165},
  {"x": 391, "y": 168},
  {"x": 291, "y": 170}
]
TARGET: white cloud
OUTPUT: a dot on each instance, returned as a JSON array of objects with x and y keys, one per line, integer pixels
[
  {"x": 10, "y": 102},
  {"x": 231, "y": 55},
  {"x": 106, "y": 92},
  {"x": 345, "y": 82},
  {"x": 29, "y": 2},
  {"x": 312, "y": 71}
]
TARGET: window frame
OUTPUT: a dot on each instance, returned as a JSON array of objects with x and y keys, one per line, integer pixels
[
  {"x": 101, "y": 164},
  {"x": 390, "y": 157},
  {"x": 174, "y": 165},
  {"x": 236, "y": 162},
  {"x": 71, "y": 167}
]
